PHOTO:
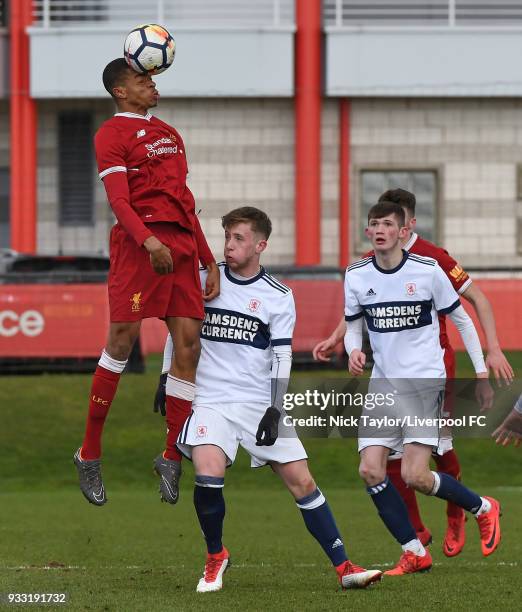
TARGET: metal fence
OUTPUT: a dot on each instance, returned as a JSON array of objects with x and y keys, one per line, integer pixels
[
  {"x": 273, "y": 13},
  {"x": 437, "y": 13},
  {"x": 119, "y": 13}
]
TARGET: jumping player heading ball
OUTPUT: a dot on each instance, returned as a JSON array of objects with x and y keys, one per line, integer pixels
[{"x": 154, "y": 252}]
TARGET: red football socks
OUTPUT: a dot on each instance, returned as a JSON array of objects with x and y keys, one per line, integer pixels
[
  {"x": 449, "y": 464},
  {"x": 393, "y": 469},
  {"x": 177, "y": 412},
  {"x": 103, "y": 390}
]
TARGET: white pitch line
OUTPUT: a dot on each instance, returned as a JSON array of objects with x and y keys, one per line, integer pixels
[
  {"x": 242, "y": 566},
  {"x": 465, "y": 564}
]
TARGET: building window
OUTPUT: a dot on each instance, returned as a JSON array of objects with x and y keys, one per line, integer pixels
[
  {"x": 3, "y": 13},
  {"x": 76, "y": 165},
  {"x": 5, "y": 239},
  {"x": 423, "y": 183}
]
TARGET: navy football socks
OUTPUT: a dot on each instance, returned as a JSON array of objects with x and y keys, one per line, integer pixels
[
  {"x": 320, "y": 523},
  {"x": 448, "y": 488},
  {"x": 392, "y": 511},
  {"x": 210, "y": 508}
]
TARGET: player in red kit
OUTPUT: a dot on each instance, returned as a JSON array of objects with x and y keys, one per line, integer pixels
[
  {"x": 154, "y": 269},
  {"x": 448, "y": 462}
]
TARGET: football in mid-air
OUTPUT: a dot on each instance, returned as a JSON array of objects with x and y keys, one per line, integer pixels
[{"x": 149, "y": 49}]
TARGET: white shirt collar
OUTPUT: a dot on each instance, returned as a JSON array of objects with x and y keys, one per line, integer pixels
[
  {"x": 243, "y": 278},
  {"x": 411, "y": 242},
  {"x": 147, "y": 117}
]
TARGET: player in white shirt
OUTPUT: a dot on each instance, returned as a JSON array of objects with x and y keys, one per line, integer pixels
[
  {"x": 399, "y": 295},
  {"x": 455, "y": 536},
  {"x": 241, "y": 380}
]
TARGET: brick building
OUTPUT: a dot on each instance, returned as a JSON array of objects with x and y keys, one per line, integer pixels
[{"x": 428, "y": 99}]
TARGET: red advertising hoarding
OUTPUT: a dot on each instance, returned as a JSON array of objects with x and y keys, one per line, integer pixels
[{"x": 53, "y": 320}]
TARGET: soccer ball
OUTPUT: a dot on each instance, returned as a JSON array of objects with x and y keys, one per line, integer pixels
[{"x": 149, "y": 49}]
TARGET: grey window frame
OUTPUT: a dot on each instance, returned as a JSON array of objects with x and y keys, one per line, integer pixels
[{"x": 360, "y": 243}]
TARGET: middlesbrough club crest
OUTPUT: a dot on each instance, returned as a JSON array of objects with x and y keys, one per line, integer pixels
[
  {"x": 201, "y": 431},
  {"x": 411, "y": 288},
  {"x": 254, "y": 305}
]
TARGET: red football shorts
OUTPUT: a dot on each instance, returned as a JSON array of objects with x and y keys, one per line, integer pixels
[{"x": 137, "y": 292}]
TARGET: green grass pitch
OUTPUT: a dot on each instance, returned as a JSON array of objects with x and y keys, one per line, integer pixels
[{"x": 138, "y": 554}]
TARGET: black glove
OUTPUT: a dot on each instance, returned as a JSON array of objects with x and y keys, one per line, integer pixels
[
  {"x": 268, "y": 427},
  {"x": 161, "y": 395}
]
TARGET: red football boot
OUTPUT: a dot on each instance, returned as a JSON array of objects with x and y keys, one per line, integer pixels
[
  {"x": 489, "y": 526},
  {"x": 215, "y": 566},
  {"x": 410, "y": 563},
  {"x": 352, "y": 576},
  {"x": 455, "y": 537}
]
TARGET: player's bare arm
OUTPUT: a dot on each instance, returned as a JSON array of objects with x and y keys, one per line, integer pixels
[
  {"x": 496, "y": 359},
  {"x": 356, "y": 362},
  {"x": 211, "y": 289},
  {"x": 510, "y": 430},
  {"x": 323, "y": 349},
  {"x": 160, "y": 257},
  {"x": 212, "y": 282}
]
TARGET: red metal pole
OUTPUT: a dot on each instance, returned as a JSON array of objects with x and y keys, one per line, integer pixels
[
  {"x": 308, "y": 133},
  {"x": 344, "y": 182},
  {"x": 15, "y": 118},
  {"x": 31, "y": 136},
  {"x": 23, "y": 134}
]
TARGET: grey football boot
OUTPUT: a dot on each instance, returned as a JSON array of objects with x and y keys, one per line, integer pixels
[
  {"x": 91, "y": 483},
  {"x": 169, "y": 472}
]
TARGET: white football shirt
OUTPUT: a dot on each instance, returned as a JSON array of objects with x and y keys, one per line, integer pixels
[
  {"x": 400, "y": 307},
  {"x": 240, "y": 328}
]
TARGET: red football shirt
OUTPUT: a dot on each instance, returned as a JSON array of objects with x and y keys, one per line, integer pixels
[
  {"x": 458, "y": 277},
  {"x": 151, "y": 155}
]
